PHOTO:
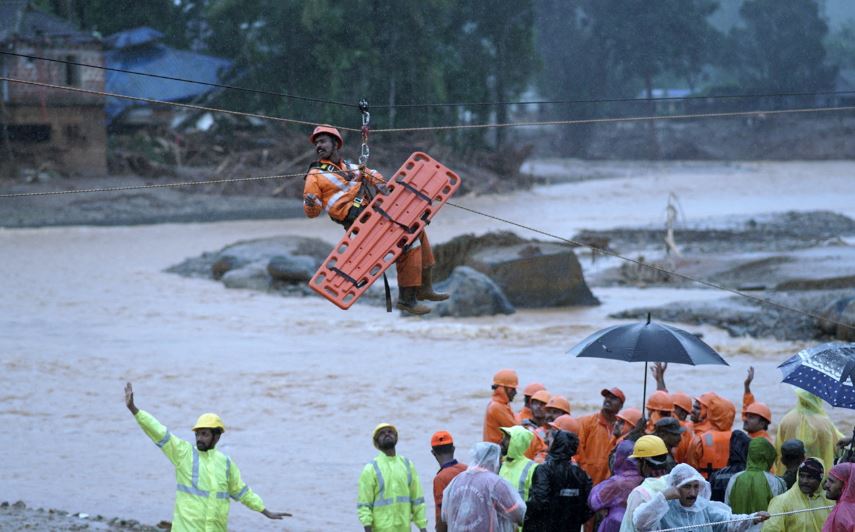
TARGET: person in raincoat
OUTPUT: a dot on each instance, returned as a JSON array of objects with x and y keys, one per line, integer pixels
[
  {"x": 751, "y": 490},
  {"x": 529, "y": 390},
  {"x": 840, "y": 487},
  {"x": 686, "y": 503},
  {"x": 559, "y": 491},
  {"x": 516, "y": 468},
  {"x": 479, "y": 500},
  {"x": 596, "y": 435},
  {"x": 206, "y": 478},
  {"x": 390, "y": 495},
  {"x": 807, "y": 494},
  {"x": 809, "y": 423},
  {"x": 735, "y": 464},
  {"x": 651, "y": 454},
  {"x": 711, "y": 449},
  {"x": 442, "y": 448},
  {"x": 610, "y": 495},
  {"x": 499, "y": 413}
]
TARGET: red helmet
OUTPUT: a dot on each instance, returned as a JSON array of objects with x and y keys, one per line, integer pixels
[{"x": 328, "y": 130}]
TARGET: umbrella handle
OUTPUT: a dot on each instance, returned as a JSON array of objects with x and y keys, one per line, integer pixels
[{"x": 644, "y": 394}]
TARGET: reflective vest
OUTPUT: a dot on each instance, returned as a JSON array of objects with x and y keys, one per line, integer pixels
[
  {"x": 715, "y": 445},
  {"x": 390, "y": 495},
  {"x": 206, "y": 481},
  {"x": 519, "y": 473}
]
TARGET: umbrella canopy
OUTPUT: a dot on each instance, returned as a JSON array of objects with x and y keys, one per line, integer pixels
[
  {"x": 827, "y": 371},
  {"x": 647, "y": 342}
]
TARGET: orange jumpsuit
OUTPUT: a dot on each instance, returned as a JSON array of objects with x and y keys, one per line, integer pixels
[
  {"x": 721, "y": 415},
  {"x": 681, "y": 452},
  {"x": 594, "y": 446},
  {"x": 340, "y": 189},
  {"x": 498, "y": 414}
]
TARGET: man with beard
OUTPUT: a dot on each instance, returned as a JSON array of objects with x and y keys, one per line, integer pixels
[
  {"x": 596, "y": 435},
  {"x": 805, "y": 495},
  {"x": 342, "y": 190},
  {"x": 202, "y": 473},
  {"x": 840, "y": 487},
  {"x": 686, "y": 503},
  {"x": 390, "y": 494},
  {"x": 559, "y": 490}
]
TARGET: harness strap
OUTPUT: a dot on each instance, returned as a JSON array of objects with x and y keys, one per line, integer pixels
[
  {"x": 386, "y": 215},
  {"x": 414, "y": 190},
  {"x": 356, "y": 283}
]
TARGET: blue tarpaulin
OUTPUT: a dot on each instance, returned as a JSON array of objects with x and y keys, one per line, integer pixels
[{"x": 139, "y": 50}]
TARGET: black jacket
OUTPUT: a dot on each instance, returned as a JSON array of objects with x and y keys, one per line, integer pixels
[{"x": 558, "y": 499}]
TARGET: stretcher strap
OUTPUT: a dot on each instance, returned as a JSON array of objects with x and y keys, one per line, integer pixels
[
  {"x": 388, "y": 293},
  {"x": 356, "y": 283},
  {"x": 691, "y": 527},
  {"x": 422, "y": 196},
  {"x": 386, "y": 215}
]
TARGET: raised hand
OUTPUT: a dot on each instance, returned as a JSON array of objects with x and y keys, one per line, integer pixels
[
  {"x": 748, "y": 379},
  {"x": 129, "y": 399},
  {"x": 658, "y": 371}
]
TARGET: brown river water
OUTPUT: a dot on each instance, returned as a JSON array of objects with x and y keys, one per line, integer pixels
[{"x": 301, "y": 384}]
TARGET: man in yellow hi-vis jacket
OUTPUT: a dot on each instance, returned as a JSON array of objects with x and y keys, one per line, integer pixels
[
  {"x": 206, "y": 477},
  {"x": 390, "y": 495}
]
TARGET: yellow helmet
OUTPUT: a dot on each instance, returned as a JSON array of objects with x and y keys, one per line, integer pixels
[
  {"x": 209, "y": 421},
  {"x": 648, "y": 447}
]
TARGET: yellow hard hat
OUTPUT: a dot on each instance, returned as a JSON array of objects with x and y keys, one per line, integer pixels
[
  {"x": 381, "y": 426},
  {"x": 648, "y": 447},
  {"x": 209, "y": 421}
]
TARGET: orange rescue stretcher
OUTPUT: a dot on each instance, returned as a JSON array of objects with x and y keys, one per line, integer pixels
[{"x": 384, "y": 229}]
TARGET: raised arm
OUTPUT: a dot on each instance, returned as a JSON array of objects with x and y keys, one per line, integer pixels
[
  {"x": 658, "y": 371},
  {"x": 173, "y": 447}
]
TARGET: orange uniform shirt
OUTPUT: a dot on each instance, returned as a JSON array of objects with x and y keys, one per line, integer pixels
[
  {"x": 336, "y": 189},
  {"x": 498, "y": 414},
  {"x": 595, "y": 440},
  {"x": 442, "y": 479}
]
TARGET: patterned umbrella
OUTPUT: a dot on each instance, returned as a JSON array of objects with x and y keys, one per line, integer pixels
[{"x": 827, "y": 371}]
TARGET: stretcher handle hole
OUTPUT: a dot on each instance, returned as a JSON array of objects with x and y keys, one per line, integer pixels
[
  {"x": 353, "y": 233},
  {"x": 348, "y": 298},
  {"x": 331, "y": 264},
  {"x": 319, "y": 280},
  {"x": 365, "y": 216},
  {"x": 343, "y": 247},
  {"x": 374, "y": 270},
  {"x": 410, "y": 166},
  {"x": 330, "y": 291},
  {"x": 452, "y": 178},
  {"x": 420, "y": 157},
  {"x": 388, "y": 257},
  {"x": 446, "y": 190}
]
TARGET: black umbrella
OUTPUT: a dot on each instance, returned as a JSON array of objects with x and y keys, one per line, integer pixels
[{"x": 647, "y": 342}]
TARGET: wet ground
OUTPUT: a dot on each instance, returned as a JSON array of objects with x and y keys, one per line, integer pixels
[{"x": 301, "y": 384}]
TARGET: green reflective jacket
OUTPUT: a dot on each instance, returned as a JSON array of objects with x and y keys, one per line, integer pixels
[
  {"x": 390, "y": 495},
  {"x": 206, "y": 481},
  {"x": 516, "y": 468}
]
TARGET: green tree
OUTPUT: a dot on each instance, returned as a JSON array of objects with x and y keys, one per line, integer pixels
[{"x": 780, "y": 48}]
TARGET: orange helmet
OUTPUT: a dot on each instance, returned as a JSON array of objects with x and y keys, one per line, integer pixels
[
  {"x": 660, "y": 400},
  {"x": 329, "y": 130},
  {"x": 759, "y": 409},
  {"x": 533, "y": 388},
  {"x": 566, "y": 422},
  {"x": 630, "y": 416},
  {"x": 682, "y": 400},
  {"x": 506, "y": 377},
  {"x": 559, "y": 402},
  {"x": 541, "y": 395}
]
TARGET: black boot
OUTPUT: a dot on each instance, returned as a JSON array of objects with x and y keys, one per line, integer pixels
[
  {"x": 425, "y": 291},
  {"x": 408, "y": 303}
]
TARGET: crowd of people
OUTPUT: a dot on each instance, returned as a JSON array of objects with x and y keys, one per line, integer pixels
[{"x": 683, "y": 466}]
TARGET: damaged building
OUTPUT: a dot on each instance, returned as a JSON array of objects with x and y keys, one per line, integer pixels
[{"x": 47, "y": 127}]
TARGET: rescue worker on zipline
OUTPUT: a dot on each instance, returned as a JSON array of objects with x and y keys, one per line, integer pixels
[
  {"x": 336, "y": 186},
  {"x": 206, "y": 477}
]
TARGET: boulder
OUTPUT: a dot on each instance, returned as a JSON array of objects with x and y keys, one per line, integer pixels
[
  {"x": 532, "y": 274},
  {"x": 841, "y": 311},
  {"x": 292, "y": 268},
  {"x": 471, "y": 294},
  {"x": 253, "y": 276}
]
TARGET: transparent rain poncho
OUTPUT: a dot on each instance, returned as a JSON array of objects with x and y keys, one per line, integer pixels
[
  {"x": 479, "y": 500},
  {"x": 660, "y": 513}
]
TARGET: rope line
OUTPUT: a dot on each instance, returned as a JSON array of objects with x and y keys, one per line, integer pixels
[
  {"x": 753, "y": 516},
  {"x": 172, "y": 78},
  {"x": 659, "y": 269},
  {"x": 436, "y": 104},
  {"x": 619, "y": 119},
  {"x": 154, "y": 185},
  {"x": 451, "y": 127},
  {"x": 162, "y": 102}
]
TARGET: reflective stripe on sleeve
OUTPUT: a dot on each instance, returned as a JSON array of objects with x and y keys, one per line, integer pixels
[
  {"x": 163, "y": 440},
  {"x": 420, "y": 500},
  {"x": 241, "y": 493},
  {"x": 364, "y": 505},
  {"x": 523, "y": 476}
]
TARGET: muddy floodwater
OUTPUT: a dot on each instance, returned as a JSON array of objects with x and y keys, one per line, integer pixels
[{"x": 301, "y": 384}]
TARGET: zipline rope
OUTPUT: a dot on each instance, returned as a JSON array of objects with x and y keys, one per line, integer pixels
[
  {"x": 162, "y": 102},
  {"x": 695, "y": 527},
  {"x": 153, "y": 185},
  {"x": 452, "y": 127},
  {"x": 619, "y": 119},
  {"x": 173, "y": 78},
  {"x": 659, "y": 269},
  {"x": 446, "y": 104}
]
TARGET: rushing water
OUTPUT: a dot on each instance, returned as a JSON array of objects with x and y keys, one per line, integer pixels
[{"x": 301, "y": 384}]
